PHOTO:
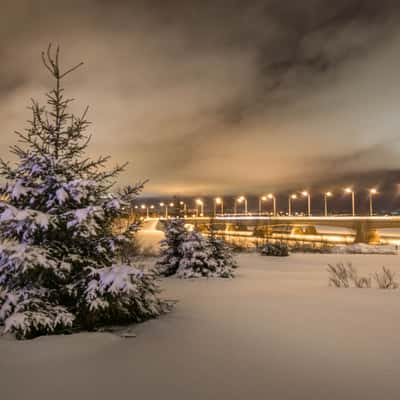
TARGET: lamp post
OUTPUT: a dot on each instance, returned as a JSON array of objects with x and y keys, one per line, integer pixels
[
  {"x": 372, "y": 192},
  {"x": 218, "y": 202},
  {"x": 353, "y": 205},
  {"x": 271, "y": 196},
  {"x": 307, "y": 194},
  {"x": 291, "y": 197},
  {"x": 170, "y": 205},
  {"x": 182, "y": 203},
  {"x": 326, "y": 195},
  {"x": 243, "y": 199},
  {"x": 199, "y": 203},
  {"x": 260, "y": 200},
  {"x": 166, "y": 209},
  {"x": 144, "y": 207}
]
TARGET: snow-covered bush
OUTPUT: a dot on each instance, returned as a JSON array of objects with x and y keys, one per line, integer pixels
[
  {"x": 195, "y": 261},
  {"x": 190, "y": 254},
  {"x": 59, "y": 254},
  {"x": 275, "y": 249},
  {"x": 220, "y": 254},
  {"x": 363, "y": 248},
  {"x": 171, "y": 247}
]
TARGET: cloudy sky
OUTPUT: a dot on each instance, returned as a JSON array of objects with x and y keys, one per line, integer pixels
[{"x": 219, "y": 96}]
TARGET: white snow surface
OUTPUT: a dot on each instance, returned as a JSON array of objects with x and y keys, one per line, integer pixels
[{"x": 277, "y": 331}]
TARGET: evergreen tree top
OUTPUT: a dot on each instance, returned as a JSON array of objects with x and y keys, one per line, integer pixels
[{"x": 51, "y": 154}]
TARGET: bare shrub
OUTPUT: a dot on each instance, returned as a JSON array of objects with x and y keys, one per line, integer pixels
[
  {"x": 339, "y": 275},
  {"x": 358, "y": 281},
  {"x": 385, "y": 279}
]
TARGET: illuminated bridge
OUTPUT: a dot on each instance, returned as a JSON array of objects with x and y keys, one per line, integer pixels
[{"x": 365, "y": 228}]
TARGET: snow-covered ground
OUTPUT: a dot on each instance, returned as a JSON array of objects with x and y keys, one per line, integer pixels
[{"x": 277, "y": 331}]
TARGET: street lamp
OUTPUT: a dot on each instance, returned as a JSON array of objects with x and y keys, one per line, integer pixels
[
  {"x": 372, "y": 192},
  {"x": 353, "y": 206},
  {"x": 271, "y": 196},
  {"x": 291, "y": 197},
  {"x": 218, "y": 202},
  {"x": 144, "y": 207},
  {"x": 171, "y": 205},
  {"x": 182, "y": 203},
  {"x": 260, "y": 200},
  {"x": 166, "y": 209},
  {"x": 307, "y": 194},
  {"x": 199, "y": 203},
  {"x": 326, "y": 195},
  {"x": 243, "y": 199}
]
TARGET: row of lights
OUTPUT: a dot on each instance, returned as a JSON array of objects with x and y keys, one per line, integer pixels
[{"x": 219, "y": 203}]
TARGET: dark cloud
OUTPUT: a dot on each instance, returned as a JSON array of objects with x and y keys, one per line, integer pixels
[{"x": 218, "y": 96}]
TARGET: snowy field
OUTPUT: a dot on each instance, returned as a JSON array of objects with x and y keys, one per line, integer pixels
[{"x": 275, "y": 332}]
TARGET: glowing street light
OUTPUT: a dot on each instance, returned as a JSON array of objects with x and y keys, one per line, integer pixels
[
  {"x": 218, "y": 202},
  {"x": 199, "y": 203},
  {"x": 291, "y": 197},
  {"x": 243, "y": 199},
  {"x": 353, "y": 206},
  {"x": 326, "y": 195},
  {"x": 273, "y": 198},
  {"x": 260, "y": 200},
  {"x": 166, "y": 208},
  {"x": 144, "y": 207},
  {"x": 307, "y": 194},
  {"x": 182, "y": 203},
  {"x": 372, "y": 192}
]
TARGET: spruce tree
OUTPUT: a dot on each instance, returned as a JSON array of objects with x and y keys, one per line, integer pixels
[
  {"x": 195, "y": 261},
  {"x": 220, "y": 254},
  {"x": 59, "y": 254},
  {"x": 171, "y": 247}
]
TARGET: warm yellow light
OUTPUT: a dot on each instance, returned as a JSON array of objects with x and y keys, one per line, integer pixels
[
  {"x": 171, "y": 204},
  {"x": 218, "y": 200},
  {"x": 304, "y": 193},
  {"x": 199, "y": 201},
  {"x": 151, "y": 206},
  {"x": 240, "y": 199},
  {"x": 348, "y": 190},
  {"x": 294, "y": 196},
  {"x": 270, "y": 196},
  {"x": 264, "y": 198},
  {"x": 162, "y": 204},
  {"x": 328, "y": 194},
  {"x": 373, "y": 191},
  {"x": 181, "y": 203},
  {"x": 143, "y": 206}
]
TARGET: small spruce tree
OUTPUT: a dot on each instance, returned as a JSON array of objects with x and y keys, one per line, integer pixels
[
  {"x": 171, "y": 247},
  {"x": 59, "y": 254},
  {"x": 195, "y": 261},
  {"x": 220, "y": 254}
]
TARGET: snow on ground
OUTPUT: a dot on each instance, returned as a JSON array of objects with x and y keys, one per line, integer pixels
[
  {"x": 277, "y": 331},
  {"x": 149, "y": 236}
]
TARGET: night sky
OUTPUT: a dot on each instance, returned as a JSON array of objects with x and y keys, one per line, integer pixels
[{"x": 218, "y": 97}]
